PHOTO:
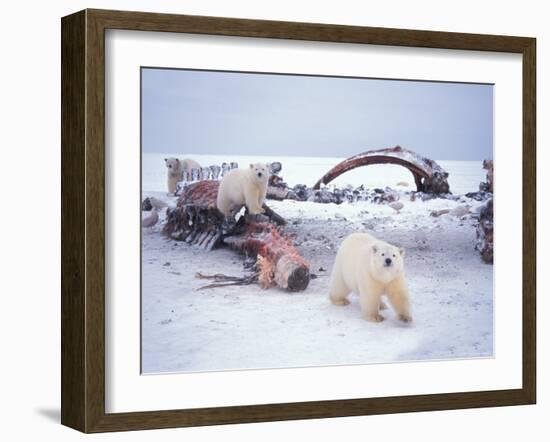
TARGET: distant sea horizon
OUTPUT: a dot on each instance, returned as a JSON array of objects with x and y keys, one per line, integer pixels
[{"x": 464, "y": 176}]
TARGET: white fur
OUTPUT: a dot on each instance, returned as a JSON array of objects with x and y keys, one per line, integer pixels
[
  {"x": 360, "y": 268},
  {"x": 244, "y": 187},
  {"x": 175, "y": 168}
]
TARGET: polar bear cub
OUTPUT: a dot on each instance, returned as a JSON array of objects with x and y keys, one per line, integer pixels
[
  {"x": 370, "y": 268},
  {"x": 175, "y": 168},
  {"x": 244, "y": 187}
]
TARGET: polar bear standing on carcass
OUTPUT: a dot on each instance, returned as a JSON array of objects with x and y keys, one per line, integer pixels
[
  {"x": 370, "y": 268},
  {"x": 244, "y": 187}
]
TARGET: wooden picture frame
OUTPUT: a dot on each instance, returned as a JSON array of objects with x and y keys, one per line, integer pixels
[{"x": 83, "y": 220}]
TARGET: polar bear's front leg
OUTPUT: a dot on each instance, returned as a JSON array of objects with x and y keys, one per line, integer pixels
[
  {"x": 261, "y": 198},
  {"x": 369, "y": 298},
  {"x": 399, "y": 298},
  {"x": 251, "y": 200},
  {"x": 338, "y": 289},
  {"x": 171, "y": 185}
]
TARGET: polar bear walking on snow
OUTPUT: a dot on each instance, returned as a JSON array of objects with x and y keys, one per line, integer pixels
[
  {"x": 244, "y": 187},
  {"x": 370, "y": 268}
]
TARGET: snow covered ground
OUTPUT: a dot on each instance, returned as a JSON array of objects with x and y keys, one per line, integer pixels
[{"x": 244, "y": 327}]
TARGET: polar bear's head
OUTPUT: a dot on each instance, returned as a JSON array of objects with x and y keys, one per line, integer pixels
[
  {"x": 386, "y": 261},
  {"x": 173, "y": 165},
  {"x": 260, "y": 171}
]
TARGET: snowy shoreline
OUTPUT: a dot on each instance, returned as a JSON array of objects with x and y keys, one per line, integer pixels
[{"x": 245, "y": 327}]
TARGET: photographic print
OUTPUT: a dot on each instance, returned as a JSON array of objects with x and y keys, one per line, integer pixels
[{"x": 302, "y": 221}]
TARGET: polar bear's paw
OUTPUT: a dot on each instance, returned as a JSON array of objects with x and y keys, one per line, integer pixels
[
  {"x": 405, "y": 318},
  {"x": 377, "y": 317},
  {"x": 342, "y": 301}
]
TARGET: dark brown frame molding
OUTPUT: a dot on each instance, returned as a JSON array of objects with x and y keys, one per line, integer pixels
[{"x": 83, "y": 218}]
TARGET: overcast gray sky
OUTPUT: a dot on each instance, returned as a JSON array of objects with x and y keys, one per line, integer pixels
[{"x": 200, "y": 112}]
